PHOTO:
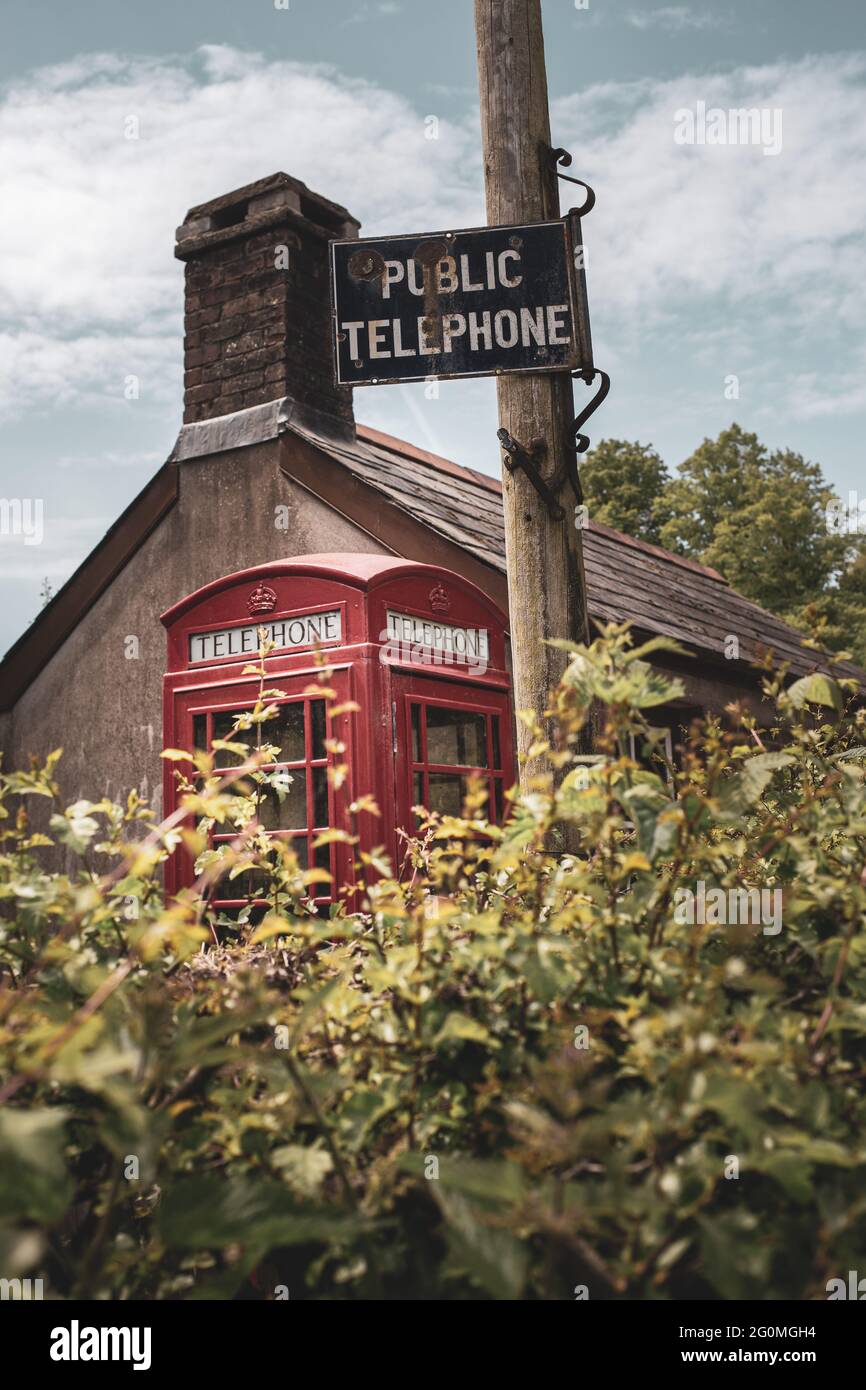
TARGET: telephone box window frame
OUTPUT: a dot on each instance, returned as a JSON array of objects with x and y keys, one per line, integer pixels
[
  {"x": 302, "y": 834},
  {"x": 494, "y": 775}
]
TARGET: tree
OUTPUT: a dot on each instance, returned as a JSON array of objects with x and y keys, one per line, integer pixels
[
  {"x": 842, "y": 607},
  {"x": 712, "y": 486},
  {"x": 624, "y": 485},
  {"x": 759, "y": 517}
]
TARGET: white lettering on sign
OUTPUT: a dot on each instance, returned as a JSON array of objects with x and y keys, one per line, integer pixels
[
  {"x": 447, "y": 279},
  {"x": 302, "y": 631},
  {"x": 467, "y": 644},
  {"x": 384, "y": 337}
]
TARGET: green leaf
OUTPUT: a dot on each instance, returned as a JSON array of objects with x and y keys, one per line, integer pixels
[
  {"x": 793, "y": 1173},
  {"x": 643, "y": 804},
  {"x": 736, "y": 1101},
  {"x": 817, "y": 689},
  {"x": 459, "y": 1027},
  {"x": 741, "y": 790},
  {"x": 493, "y": 1258},
  {"x": 34, "y": 1183},
  {"x": 493, "y": 1181},
  {"x": 734, "y": 1258},
  {"x": 208, "y": 1212},
  {"x": 657, "y": 644},
  {"x": 77, "y": 827},
  {"x": 304, "y": 1169},
  {"x": 312, "y": 1008}
]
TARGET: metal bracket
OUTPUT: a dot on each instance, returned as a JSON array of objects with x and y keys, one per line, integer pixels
[
  {"x": 581, "y": 441},
  {"x": 561, "y": 156},
  {"x": 589, "y": 371},
  {"x": 516, "y": 456}
]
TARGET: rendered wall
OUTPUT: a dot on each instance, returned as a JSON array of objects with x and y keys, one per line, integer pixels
[{"x": 104, "y": 707}]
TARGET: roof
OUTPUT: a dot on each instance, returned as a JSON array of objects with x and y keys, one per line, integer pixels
[{"x": 627, "y": 580}]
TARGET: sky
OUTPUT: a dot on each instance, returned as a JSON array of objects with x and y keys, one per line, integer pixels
[{"x": 726, "y": 279}]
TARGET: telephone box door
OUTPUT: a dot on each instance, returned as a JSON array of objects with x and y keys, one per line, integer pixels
[
  {"x": 446, "y": 732},
  {"x": 303, "y": 803}
]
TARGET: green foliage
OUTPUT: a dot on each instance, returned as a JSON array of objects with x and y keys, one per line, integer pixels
[
  {"x": 510, "y": 1073},
  {"x": 624, "y": 485},
  {"x": 757, "y": 516},
  {"x": 840, "y": 611},
  {"x": 711, "y": 486}
]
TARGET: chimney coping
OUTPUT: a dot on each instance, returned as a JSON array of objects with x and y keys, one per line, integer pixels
[
  {"x": 256, "y": 424},
  {"x": 269, "y": 201}
]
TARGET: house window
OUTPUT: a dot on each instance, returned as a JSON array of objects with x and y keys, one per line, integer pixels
[
  {"x": 299, "y": 808},
  {"x": 450, "y": 745}
]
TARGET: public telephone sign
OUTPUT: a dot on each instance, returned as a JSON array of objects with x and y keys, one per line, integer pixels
[{"x": 454, "y": 304}]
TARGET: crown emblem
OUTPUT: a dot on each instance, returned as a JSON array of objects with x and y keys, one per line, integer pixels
[
  {"x": 439, "y": 600},
  {"x": 262, "y": 599}
]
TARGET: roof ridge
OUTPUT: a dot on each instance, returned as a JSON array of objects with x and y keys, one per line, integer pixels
[{"x": 444, "y": 465}]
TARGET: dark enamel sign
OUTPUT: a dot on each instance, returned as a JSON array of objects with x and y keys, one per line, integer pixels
[{"x": 454, "y": 304}]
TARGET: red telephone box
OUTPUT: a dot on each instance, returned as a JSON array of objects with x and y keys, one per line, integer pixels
[{"x": 421, "y": 651}]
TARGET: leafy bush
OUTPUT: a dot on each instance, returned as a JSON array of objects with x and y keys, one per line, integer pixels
[{"x": 514, "y": 1073}]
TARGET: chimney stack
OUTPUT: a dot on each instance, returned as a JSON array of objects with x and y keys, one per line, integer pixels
[{"x": 257, "y": 323}]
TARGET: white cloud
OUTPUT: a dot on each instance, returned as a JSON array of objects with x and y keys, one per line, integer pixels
[
  {"x": 65, "y": 542},
  {"x": 815, "y": 396},
  {"x": 686, "y": 228},
  {"x": 89, "y": 287},
  {"x": 682, "y": 237},
  {"x": 674, "y": 18},
  {"x": 37, "y": 369},
  {"x": 364, "y": 12},
  {"x": 147, "y": 460}
]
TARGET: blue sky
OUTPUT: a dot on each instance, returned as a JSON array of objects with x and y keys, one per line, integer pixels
[{"x": 705, "y": 263}]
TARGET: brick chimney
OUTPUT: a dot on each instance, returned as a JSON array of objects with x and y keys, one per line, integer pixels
[{"x": 258, "y": 318}]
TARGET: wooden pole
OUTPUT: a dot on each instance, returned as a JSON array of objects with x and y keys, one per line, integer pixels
[{"x": 546, "y": 585}]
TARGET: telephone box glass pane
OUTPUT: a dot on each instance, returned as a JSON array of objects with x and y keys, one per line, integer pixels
[
  {"x": 497, "y": 755},
  {"x": 223, "y": 727},
  {"x": 290, "y": 812},
  {"x": 252, "y": 883},
  {"x": 287, "y": 731},
  {"x": 456, "y": 736},
  {"x": 446, "y": 794},
  {"x": 317, "y": 729},
  {"x": 199, "y": 732},
  {"x": 417, "y": 756},
  {"x": 320, "y": 797}
]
